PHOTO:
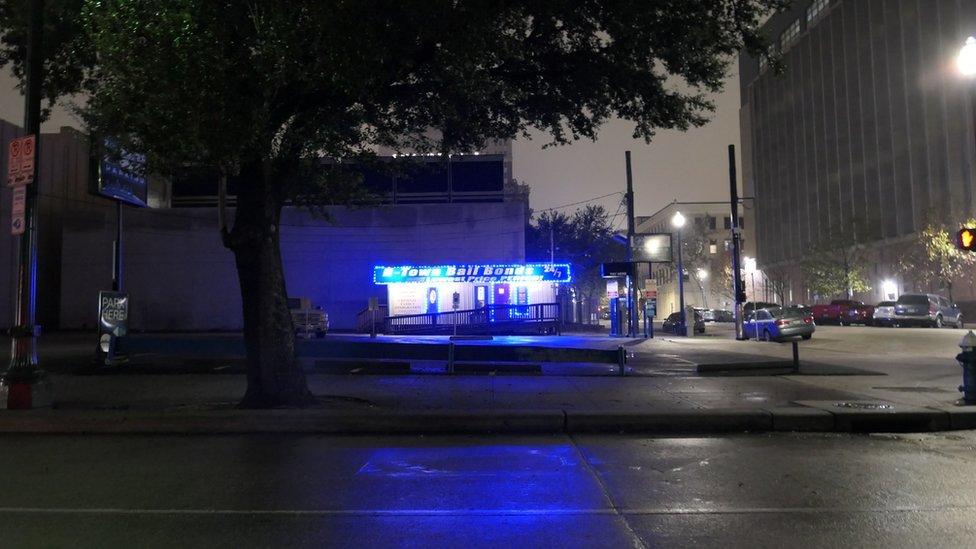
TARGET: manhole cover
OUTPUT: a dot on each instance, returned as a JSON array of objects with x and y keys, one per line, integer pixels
[{"x": 864, "y": 405}]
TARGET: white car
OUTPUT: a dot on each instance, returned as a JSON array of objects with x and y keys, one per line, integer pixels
[{"x": 884, "y": 314}]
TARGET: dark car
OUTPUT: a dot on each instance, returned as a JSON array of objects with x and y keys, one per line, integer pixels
[
  {"x": 775, "y": 324},
  {"x": 723, "y": 315},
  {"x": 800, "y": 310},
  {"x": 753, "y": 305},
  {"x": 673, "y": 319},
  {"x": 927, "y": 310}
]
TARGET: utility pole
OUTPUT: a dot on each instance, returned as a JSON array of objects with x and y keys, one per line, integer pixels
[
  {"x": 552, "y": 244},
  {"x": 23, "y": 378},
  {"x": 738, "y": 288},
  {"x": 631, "y": 270}
]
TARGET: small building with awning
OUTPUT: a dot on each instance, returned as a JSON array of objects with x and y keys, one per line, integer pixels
[{"x": 475, "y": 297}]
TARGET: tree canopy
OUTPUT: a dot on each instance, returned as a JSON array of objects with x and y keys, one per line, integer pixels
[{"x": 265, "y": 89}]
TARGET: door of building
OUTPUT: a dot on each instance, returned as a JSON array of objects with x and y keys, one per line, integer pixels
[{"x": 502, "y": 296}]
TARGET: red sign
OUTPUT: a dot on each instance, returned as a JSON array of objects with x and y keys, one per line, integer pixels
[{"x": 20, "y": 161}]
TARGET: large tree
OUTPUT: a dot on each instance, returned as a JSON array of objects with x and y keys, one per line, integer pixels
[
  {"x": 934, "y": 259},
  {"x": 584, "y": 239},
  {"x": 836, "y": 266},
  {"x": 264, "y": 89}
]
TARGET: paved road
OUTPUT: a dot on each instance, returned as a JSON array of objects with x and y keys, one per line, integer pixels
[{"x": 281, "y": 491}]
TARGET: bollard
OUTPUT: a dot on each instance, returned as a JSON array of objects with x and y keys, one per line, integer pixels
[
  {"x": 967, "y": 359},
  {"x": 450, "y": 357},
  {"x": 622, "y": 359},
  {"x": 796, "y": 356}
]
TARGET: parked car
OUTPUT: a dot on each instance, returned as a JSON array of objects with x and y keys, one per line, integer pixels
[
  {"x": 801, "y": 311},
  {"x": 843, "y": 311},
  {"x": 723, "y": 315},
  {"x": 671, "y": 323},
  {"x": 927, "y": 310},
  {"x": 309, "y": 320},
  {"x": 708, "y": 315},
  {"x": 775, "y": 324},
  {"x": 753, "y": 305},
  {"x": 884, "y": 314}
]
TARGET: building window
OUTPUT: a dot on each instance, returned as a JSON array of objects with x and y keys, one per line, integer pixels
[
  {"x": 727, "y": 222},
  {"x": 712, "y": 244},
  {"x": 789, "y": 35},
  {"x": 742, "y": 223},
  {"x": 711, "y": 223},
  {"x": 816, "y": 10}
]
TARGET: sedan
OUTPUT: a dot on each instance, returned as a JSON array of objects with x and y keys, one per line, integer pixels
[
  {"x": 884, "y": 314},
  {"x": 672, "y": 321},
  {"x": 776, "y": 324}
]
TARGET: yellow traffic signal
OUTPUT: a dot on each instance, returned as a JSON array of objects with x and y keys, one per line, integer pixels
[{"x": 966, "y": 239}]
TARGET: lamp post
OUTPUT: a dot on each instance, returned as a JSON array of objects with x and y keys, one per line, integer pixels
[
  {"x": 750, "y": 266},
  {"x": 702, "y": 275},
  {"x": 678, "y": 221}
]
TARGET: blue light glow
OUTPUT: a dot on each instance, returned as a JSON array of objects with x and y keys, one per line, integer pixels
[{"x": 478, "y": 273}]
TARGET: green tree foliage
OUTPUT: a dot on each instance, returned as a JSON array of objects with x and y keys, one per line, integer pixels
[
  {"x": 266, "y": 89},
  {"x": 837, "y": 266},
  {"x": 584, "y": 240},
  {"x": 933, "y": 258}
]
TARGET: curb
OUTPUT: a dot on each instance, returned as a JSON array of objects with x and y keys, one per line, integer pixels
[{"x": 481, "y": 422}]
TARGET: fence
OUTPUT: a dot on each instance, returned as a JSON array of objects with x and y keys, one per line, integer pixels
[{"x": 490, "y": 319}]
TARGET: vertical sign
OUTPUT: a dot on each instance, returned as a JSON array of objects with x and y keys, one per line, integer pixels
[{"x": 17, "y": 219}]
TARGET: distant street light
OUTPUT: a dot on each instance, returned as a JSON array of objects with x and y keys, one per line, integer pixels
[
  {"x": 678, "y": 221},
  {"x": 702, "y": 275},
  {"x": 966, "y": 60}
]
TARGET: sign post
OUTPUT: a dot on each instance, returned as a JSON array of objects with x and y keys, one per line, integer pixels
[
  {"x": 455, "y": 305},
  {"x": 374, "y": 304},
  {"x": 113, "y": 323},
  {"x": 23, "y": 384}
]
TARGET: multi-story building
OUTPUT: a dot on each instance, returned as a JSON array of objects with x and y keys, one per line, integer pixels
[
  {"x": 707, "y": 253},
  {"x": 867, "y": 131}
]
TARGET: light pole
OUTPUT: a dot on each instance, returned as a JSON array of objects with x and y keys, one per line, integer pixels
[
  {"x": 678, "y": 221},
  {"x": 702, "y": 275},
  {"x": 966, "y": 64},
  {"x": 750, "y": 267}
]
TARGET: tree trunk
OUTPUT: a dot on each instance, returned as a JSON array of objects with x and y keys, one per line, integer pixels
[{"x": 274, "y": 376}]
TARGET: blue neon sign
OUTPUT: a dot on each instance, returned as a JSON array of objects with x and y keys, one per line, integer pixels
[{"x": 531, "y": 272}]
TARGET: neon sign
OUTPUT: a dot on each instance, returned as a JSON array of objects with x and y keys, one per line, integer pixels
[{"x": 531, "y": 272}]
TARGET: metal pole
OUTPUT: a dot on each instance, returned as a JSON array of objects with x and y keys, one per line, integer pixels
[
  {"x": 737, "y": 286},
  {"x": 631, "y": 312},
  {"x": 117, "y": 283},
  {"x": 683, "y": 326},
  {"x": 23, "y": 367}
]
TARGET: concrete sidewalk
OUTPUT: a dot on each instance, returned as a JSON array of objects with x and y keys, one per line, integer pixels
[{"x": 663, "y": 392}]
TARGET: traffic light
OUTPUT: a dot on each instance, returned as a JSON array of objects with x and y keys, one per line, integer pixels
[{"x": 966, "y": 239}]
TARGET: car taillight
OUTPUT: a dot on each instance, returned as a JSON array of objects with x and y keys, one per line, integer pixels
[
  {"x": 808, "y": 319},
  {"x": 931, "y": 309},
  {"x": 782, "y": 322}
]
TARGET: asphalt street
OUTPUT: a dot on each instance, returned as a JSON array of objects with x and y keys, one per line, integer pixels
[
  {"x": 601, "y": 491},
  {"x": 919, "y": 362}
]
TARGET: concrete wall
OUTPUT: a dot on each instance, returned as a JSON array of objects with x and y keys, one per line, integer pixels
[{"x": 180, "y": 277}]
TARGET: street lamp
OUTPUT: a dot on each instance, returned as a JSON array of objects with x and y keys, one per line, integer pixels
[
  {"x": 702, "y": 275},
  {"x": 750, "y": 268},
  {"x": 966, "y": 60},
  {"x": 678, "y": 221}
]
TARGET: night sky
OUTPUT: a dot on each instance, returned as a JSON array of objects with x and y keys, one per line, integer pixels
[{"x": 689, "y": 166}]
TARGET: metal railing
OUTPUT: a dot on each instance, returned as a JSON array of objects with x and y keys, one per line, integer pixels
[{"x": 535, "y": 318}]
